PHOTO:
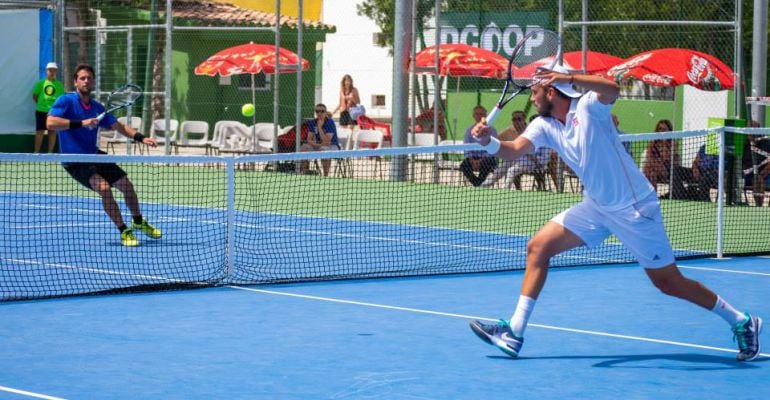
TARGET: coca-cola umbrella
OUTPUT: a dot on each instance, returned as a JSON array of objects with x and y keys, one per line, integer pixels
[
  {"x": 458, "y": 60},
  {"x": 251, "y": 58},
  {"x": 675, "y": 67}
]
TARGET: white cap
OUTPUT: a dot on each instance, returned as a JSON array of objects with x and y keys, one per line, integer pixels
[
  {"x": 51, "y": 65},
  {"x": 564, "y": 87}
]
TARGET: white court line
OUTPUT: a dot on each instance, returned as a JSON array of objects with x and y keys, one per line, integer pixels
[
  {"x": 725, "y": 270},
  {"x": 467, "y": 317},
  {"x": 62, "y": 225},
  {"x": 30, "y": 394},
  {"x": 100, "y": 271},
  {"x": 47, "y": 207}
]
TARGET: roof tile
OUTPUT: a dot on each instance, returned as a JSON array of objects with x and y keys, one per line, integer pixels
[{"x": 222, "y": 14}]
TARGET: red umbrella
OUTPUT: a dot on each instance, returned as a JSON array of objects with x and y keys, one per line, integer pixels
[
  {"x": 597, "y": 63},
  {"x": 675, "y": 67},
  {"x": 458, "y": 59},
  {"x": 249, "y": 58}
]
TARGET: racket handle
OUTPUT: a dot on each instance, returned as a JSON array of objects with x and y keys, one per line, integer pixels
[
  {"x": 493, "y": 114},
  {"x": 99, "y": 118}
]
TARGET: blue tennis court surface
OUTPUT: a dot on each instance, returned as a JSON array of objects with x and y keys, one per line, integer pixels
[{"x": 597, "y": 332}]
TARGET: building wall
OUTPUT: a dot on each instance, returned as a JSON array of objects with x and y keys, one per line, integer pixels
[{"x": 351, "y": 51}]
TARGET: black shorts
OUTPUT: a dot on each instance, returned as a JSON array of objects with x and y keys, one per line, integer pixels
[
  {"x": 346, "y": 119},
  {"x": 83, "y": 172},
  {"x": 40, "y": 120}
]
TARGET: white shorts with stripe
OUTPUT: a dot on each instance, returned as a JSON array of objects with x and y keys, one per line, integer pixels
[{"x": 639, "y": 227}]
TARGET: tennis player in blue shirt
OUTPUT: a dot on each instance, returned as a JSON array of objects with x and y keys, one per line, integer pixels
[{"x": 73, "y": 115}]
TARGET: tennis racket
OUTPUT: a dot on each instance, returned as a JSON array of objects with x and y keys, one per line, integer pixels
[
  {"x": 122, "y": 97},
  {"x": 538, "y": 49}
]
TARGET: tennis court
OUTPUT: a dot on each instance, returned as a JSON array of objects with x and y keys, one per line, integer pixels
[
  {"x": 598, "y": 332},
  {"x": 276, "y": 278}
]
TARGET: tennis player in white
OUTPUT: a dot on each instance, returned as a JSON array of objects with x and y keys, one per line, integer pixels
[{"x": 618, "y": 200}]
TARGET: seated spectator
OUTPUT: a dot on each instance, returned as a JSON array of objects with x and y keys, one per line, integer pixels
[
  {"x": 518, "y": 125},
  {"x": 322, "y": 136},
  {"x": 425, "y": 121},
  {"x": 658, "y": 163},
  {"x": 756, "y": 167},
  {"x": 696, "y": 183},
  {"x": 477, "y": 161},
  {"x": 535, "y": 163}
]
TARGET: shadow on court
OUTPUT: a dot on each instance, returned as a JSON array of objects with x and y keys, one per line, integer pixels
[{"x": 674, "y": 361}]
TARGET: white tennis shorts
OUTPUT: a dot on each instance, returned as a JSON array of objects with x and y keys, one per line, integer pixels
[{"x": 639, "y": 227}]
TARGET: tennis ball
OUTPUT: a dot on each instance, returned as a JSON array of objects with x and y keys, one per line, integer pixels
[{"x": 247, "y": 110}]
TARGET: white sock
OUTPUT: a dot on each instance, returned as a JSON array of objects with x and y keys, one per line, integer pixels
[
  {"x": 727, "y": 312},
  {"x": 521, "y": 315}
]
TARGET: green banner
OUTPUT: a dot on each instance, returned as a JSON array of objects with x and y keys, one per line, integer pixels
[{"x": 495, "y": 31}]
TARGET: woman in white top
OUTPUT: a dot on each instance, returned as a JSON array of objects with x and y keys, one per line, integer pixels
[{"x": 348, "y": 99}]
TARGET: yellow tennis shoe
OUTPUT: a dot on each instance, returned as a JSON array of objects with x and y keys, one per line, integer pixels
[
  {"x": 128, "y": 239},
  {"x": 148, "y": 229}
]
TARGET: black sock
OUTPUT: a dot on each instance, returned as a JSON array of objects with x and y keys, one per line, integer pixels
[
  {"x": 138, "y": 220},
  {"x": 122, "y": 228}
]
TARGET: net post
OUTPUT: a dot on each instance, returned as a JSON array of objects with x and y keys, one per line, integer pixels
[
  {"x": 230, "y": 190},
  {"x": 720, "y": 190}
]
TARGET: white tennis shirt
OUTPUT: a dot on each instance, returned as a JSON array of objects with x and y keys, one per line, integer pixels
[{"x": 590, "y": 146}]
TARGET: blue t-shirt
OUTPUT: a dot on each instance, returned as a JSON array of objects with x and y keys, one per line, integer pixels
[
  {"x": 329, "y": 127},
  {"x": 707, "y": 161},
  {"x": 80, "y": 140}
]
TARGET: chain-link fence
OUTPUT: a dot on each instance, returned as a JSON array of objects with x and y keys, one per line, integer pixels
[{"x": 619, "y": 30}]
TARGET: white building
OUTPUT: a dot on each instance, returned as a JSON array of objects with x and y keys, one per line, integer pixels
[{"x": 352, "y": 50}]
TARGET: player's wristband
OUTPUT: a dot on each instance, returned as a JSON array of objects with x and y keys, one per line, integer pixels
[
  {"x": 493, "y": 146},
  {"x": 138, "y": 137},
  {"x": 76, "y": 124}
]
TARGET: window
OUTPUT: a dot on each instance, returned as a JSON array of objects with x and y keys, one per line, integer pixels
[
  {"x": 378, "y": 101},
  {"x": 378, "y": 39},
  {"x": 261, "y": 82}
]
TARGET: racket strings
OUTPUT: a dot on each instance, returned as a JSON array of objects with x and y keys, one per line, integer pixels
[
  {"x": 538, "y": 50},
  {"x": 124, "y": 96}
]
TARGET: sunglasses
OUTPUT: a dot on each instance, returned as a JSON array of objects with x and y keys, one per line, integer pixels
[{"x": 320, "y": 111}]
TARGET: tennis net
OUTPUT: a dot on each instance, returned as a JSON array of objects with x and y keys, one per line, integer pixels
[{"x": 255, "y": 219}]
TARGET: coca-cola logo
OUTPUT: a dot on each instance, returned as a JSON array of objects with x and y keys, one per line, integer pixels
[
  {"x": 655, "y": 79},
  {"x": 699, "y": 68},
  {"x": 625, "y": 66}
]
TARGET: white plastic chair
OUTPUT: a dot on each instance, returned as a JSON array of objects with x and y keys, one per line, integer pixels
[
  {"x": 452, "y": 161},
  {"x": 118, "y": 139},
  {"x": 264, "y": 134},
  {"x": 194, "y": 134},
  {"x": 217, "y": 136},
  {"x": 369, "y": 137},
  {"x": 344, "y": 138},
  {"x": 422, "y": 139},
  {"x": 158, "y": 131},
  {"x": 343, "y": 167},
  {"x": 237, "y": 138}
]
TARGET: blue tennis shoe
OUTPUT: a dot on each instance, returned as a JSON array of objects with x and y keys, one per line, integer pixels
[
  {"x": 499, "y": 335},
  {"x": 746, "y": 333}
]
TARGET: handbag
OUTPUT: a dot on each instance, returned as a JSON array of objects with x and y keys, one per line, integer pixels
[{"x": 357, "y": 111}]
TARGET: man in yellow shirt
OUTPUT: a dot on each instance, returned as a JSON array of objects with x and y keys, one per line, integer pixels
[{"x": 45, "y": 93}]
